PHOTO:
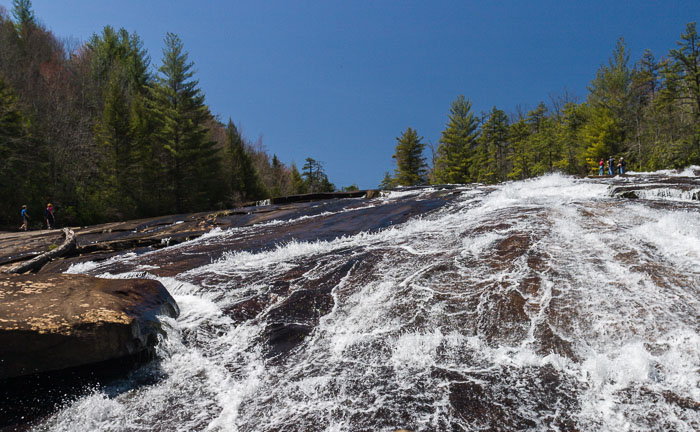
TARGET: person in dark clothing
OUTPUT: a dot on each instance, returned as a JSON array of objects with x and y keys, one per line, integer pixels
[
  {"x": 623, "y": 166},
  {"x": 25, "y": 218},
  {"x": 49, "y": 216},
  {"x": 611, "y": 166}
]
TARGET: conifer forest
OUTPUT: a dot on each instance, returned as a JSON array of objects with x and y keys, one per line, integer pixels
[
  {"x": 104, "y": 135},
  {"x": 647, "y": 112}
]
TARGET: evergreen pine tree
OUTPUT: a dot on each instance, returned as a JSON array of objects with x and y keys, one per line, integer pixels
[
  {"x": 568, "y": 135},
  {"x": 687, "y": 55},
  {"x": 119, "y": 71},
  {"x": 309, "y": 171},
  {"x": 543, "y": 140},
  {"x": 16, "y": 155},
  {"x": 387, "y": 182},
  {"x": 192, "y": 160},
  {"x": 244, "y": 181},
  {"x": 453, "y": 164},
  {"x": 611, "y": 103},
  {"x": 280, "y": 178},
  {"x": 151, "y": 189},
  {"x": 113, "y": 133},
  {"x": 298, "y": 184},
  {"x": 523, "y": 154},
  {"x": 645, "y": 86},
  {"x": 24, "y": 17},
  {"x": 315, "y": 177},
  {"x": 411, "y": 168},
  {"x": 494, "y": 148},
  {"x": 602, "y": 134}
]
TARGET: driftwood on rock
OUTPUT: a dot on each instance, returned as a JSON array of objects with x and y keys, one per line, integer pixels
[{"x": 39, "y": 261}]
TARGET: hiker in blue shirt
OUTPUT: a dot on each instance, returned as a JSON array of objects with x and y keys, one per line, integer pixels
[
  {"x": 25, "y": 218},
  {"x": 611, "y": 166}
]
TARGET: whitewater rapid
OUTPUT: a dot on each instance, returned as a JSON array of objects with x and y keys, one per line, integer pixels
[{"x": 545, "y": 304}]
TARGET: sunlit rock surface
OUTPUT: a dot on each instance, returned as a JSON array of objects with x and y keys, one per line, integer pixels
[
  {"x": 549, "y": 304},
  {"x": 49, "y": 323}
]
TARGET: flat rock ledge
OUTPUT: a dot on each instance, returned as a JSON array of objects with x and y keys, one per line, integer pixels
[{"x": 60, "y": 321}]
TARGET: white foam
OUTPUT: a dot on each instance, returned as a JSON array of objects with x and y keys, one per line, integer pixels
[
  {"x": 666, "y": 193},
  {"x": 542, "y": 190},
  {"x": 675, "y": 234},
  {"x": 415, "y": 350},
  {"x": 424, "y": 303},
  {"x": 477, "y": 245},
  {"x": 83, "y": 267}
]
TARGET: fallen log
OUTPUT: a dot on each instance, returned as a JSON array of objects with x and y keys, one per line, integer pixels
[{"x": 37, "y": 262}]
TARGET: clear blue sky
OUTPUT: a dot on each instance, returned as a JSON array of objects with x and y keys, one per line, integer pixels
[{"x": 340, "y": 80}]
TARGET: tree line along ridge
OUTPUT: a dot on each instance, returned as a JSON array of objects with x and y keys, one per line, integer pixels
[{"x": 648, "y": 113}]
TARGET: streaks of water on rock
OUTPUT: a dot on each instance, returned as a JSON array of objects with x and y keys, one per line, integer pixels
[{"x": 540, "y": 305}]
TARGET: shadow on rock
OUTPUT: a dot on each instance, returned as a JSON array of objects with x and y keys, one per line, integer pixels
[{"x": 28, "y": 400}]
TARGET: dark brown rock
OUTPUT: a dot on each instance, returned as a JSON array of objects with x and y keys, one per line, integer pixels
[
  {"x": 550, "y": 342},
  {"x": 54, "y": 322},
  {"x": 506, "y": 320},
  {"x": 296, "y": 317},
  {"x": 99, "y": 242},
  {"x": 316, "y": 197},
  {"x": 372, "y": 194}
]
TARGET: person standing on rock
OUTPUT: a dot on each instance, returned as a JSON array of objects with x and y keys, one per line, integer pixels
[
  {"x": 611, "y": 166},
  {"x": 25, "y": 218},
  {"x": 623, "y": 164},
  {"x": 49, "y": 216},
  {"x": 601, "y": 166}
]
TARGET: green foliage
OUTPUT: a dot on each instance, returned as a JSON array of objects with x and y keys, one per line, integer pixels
[
  {"x": 543, "y": 140},
  {"x": 649, "y": 114},
  {"x": 568, "y": 133},
  {"x": 96, "y": 134},
  {"x": 611, "y": 87},
  {"x": 298, "y": 184},
  {"x": 494, "y": 148},
  {"x": 191, "y": 158},
  {"x": 522, "y": 155},
  {"x": 24, "y": 16},
  {"x": 411, "y": 168},
  {"x": 15, "y": 152},
  {"x": 315, "y": 177},
  {"x": 602, "y": 135},
  {"x": 244, "y": 182},
  {"x": 454, "y": 161},
  {"x": 387, "y": 182},
  {"x": 351, "y": 188},
  {"x": 687, "y": 56}
]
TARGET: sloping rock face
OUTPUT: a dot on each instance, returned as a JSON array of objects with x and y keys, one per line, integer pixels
[
  {"x": 549, "y": 304},
  {"x": 55, "y": 322}
]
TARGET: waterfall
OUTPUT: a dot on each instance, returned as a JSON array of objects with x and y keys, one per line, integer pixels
[{"x": 546, "y": 304}]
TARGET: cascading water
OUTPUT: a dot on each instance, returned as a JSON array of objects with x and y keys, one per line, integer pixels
[{"x": 546, "y": 304}]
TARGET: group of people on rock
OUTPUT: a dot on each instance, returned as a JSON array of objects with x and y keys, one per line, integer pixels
[
  {"x": 50, "y": 219},
  {"x": 610, "y": 166}
]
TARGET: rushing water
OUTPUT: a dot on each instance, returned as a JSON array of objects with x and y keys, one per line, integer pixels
[{"x": 546, "y": 304}]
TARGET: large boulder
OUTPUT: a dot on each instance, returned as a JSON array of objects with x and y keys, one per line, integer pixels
[{"x": 55, "y": 322}]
